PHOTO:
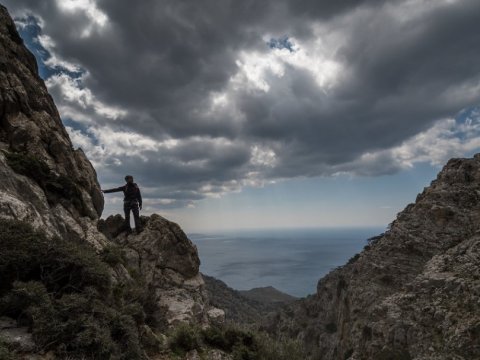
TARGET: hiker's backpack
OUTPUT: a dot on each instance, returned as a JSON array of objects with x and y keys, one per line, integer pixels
[{"x": 131, "y": 191}]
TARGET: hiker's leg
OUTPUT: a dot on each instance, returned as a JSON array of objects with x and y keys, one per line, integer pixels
[
  {"x": 126, "y": 209},
  {"x": 136, "y": 218}
]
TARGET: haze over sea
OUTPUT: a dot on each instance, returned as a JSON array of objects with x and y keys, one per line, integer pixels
[{"x": 290, "y": 260}]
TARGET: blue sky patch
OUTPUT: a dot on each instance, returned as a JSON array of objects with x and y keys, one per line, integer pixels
[
  {"x": 281, "y": 43},
  {"x": 30, "y": 31}
]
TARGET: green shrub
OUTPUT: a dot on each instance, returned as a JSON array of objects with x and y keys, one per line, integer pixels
[
  {"x": 184, "y": 339},
  {"x": 23, "y": 299},
  {"x": 62, "y": 266},
  {"x": 246, "y": 344},
  {"x": 276, "y": 349},
  {"x": 242, "y": 352},
  {"x": 113, "y": 255},
  {"x": 236, "y": 336},
  {"x": 215, "y": 337},
  {"x": 62, "y": 291}
]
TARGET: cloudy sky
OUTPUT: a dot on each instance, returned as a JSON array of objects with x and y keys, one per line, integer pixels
[{"x": 273, "y": 113}]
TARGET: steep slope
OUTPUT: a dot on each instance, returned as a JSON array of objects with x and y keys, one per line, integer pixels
[
  {"x": 413, "y": 292},
  {"x": 31, "y": 129},
  {"x": 168, "y": 261},
  {"x": 52, "y": 187}
]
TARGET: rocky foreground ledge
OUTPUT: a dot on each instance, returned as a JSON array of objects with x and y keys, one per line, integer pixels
[
  {"x": 169, "y": 263},
  {"x": 51, "y": 202},
  {"x": 53, "y": 187}
]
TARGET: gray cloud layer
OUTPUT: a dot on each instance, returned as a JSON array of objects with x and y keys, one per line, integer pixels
[{"x": 189, "y": 97}]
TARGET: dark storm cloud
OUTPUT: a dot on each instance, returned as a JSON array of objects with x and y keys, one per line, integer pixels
[
  {"x": 326, "y": 9},
  {"x": 402, "y": 66}
]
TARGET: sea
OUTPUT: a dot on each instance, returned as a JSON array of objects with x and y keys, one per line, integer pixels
[{"x": 290, "y": 260}]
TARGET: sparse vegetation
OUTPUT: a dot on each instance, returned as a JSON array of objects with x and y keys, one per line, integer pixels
[
  {"x": 242, "y": 343},
  {"x": 373, "y": 240},
  {"x": 63, "y": 292},
  {"x": 353, "y": 259},
  {"x": 113, "y": 255},
  {"x": 5, "y": 352},
  {"x": 56, "y": 187},
  {"x": 271, "y": 349},
  {"x": 184, "y": 339}
]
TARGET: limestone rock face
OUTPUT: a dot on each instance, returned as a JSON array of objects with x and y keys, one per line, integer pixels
[
  {"x": 413, "y": 292},
  {"x": 30, "y": 127},
  {"x": 169, "y": 262},
  {"x": 48, "y": 184}
]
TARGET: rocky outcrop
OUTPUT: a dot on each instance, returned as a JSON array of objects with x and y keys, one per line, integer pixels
[
  {"x": 53, "y": 187},
  {"x": 169, "y": 263},
  {"x": 31, "y": 130},
  {"x": 413, "y": 292}
]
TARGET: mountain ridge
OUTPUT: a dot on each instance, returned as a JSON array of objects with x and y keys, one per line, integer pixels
[
  {"x": 412, "y": 293},
  {"x": 268, "y": 294},
  {"x": 240, "y": 308},
  {"x": 399, "y": 298}
]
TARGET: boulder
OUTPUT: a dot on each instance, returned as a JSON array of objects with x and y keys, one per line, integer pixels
[{"x": 169, "y": 263}]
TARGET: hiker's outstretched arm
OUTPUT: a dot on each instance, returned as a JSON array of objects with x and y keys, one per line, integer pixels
[{"x": 113, "y": 190}]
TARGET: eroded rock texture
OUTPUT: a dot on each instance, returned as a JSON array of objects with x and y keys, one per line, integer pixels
[
  {"x": 413, "y": 292},
  {"x": 30, "y": 127},
  {"x": 47, "y": 183},
  {"x": 169, "y": 263}
]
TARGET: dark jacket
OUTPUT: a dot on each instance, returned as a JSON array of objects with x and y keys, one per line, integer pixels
[{"x": 131, "y": 192}]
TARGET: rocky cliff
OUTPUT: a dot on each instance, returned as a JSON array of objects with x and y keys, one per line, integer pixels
[
  {"x": 169, "y": 264},
  {"x": 413, "y": 292},
  {"x": 31, "y": 129},
  {"x": 72, "y": 284},
  {"x": 51, "y": 186}
]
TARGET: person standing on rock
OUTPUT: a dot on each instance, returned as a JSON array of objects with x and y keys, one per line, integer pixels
[{"x": 132, "y": 201}]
